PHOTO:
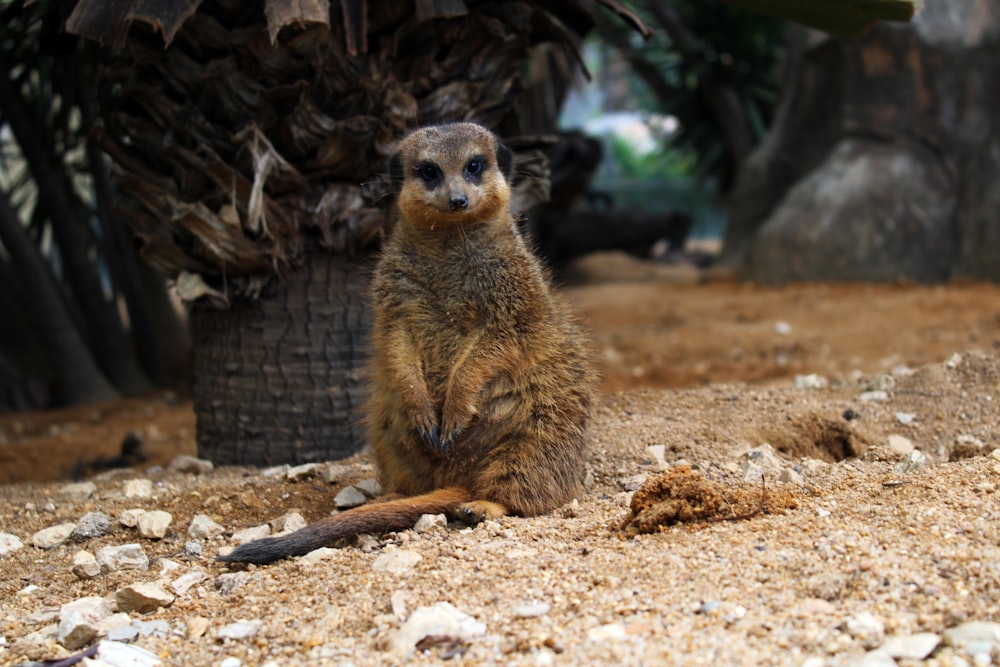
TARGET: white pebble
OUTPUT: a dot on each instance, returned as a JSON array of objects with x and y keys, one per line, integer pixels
[
  {"x": 79, "y": 491},
  {"x": 9, "y": 543},
  {"x": 811, "y": 381},
  {"x": 349, "y": 497},
  {"x": 78, "y": 621},
  {"x": 240, "y": 630},
  {"x": 186, "y": 582},
  {"x": 915, "y": 461},
  {"x": 905, "y": 418},
  {"x": 914, "y": 647},
  {"x": 118, "y": 654},
  {"x": 441, "y": 620},
  {"x": 531, "y": 609},
  {"x": 130, "y": 517},
  {"x": 138, "y": 488},
  {"x": 143, "y": 598},
  {"x": 51, "y": 537},
  {"x": 608, "y": 632},
  {"x": 899, "y": 446},
  {"x": 154, "y": 525},
  {"x": 124, "y": 557},
  {"x": 429, "y": 522},
  {"x": 398, "y": 560},
  {"x": 85, "y": 565},
  {"x": 304, "y": 471},
  {"x": 370, "y": 487},
  {"x": 202, "y": 527},
  {"x": 252, "y": 533}
]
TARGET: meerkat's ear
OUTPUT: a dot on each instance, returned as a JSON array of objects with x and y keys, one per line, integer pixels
[
  {"x": 396, "y": 172},
  {"x": 505, "y": 161}
]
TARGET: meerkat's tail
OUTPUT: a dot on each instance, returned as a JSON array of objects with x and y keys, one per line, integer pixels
[{"x": 380, "y": 517}]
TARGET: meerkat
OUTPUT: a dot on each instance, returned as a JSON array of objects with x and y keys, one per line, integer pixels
[{"x": 481, "y": 380}]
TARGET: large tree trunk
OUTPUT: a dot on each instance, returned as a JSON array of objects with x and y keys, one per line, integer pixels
[
  {"x": 883, "y": 157},
  {"x": 279, "y": 379},
  {"x": 76, "y": 377}
]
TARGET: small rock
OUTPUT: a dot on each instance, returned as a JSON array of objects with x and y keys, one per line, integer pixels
[
  {"x": 791, "y": 476},
  {"x": 124, "y": 557},
  {"x": 117, "y": 654},
  {"x": 429, "y": 522},
  {"x": 114, "y": 622},
  {"x": 873, "y": 396},
  {"x": 914, "y": 647},
  {"x": 884, "y": 382},
  {"x": 532, "y": 609},
  {"x": 609, "y": 632},
  {"x": 155, "y": 628},
  {"x": 876, "y": 658},
  {"x": 633, "y": 482},
  {"x": 915, "y": 461},
  {"x": 138, "y": 488},
  {"x": 751, "y": 472},
  {"x": 369, "y": 487},
  {"x": 231, "y": 662},
  {"x": 658, "y": 455},
  {"x": 335, "y": 473},
  {"x": 186, "y": 582},
  {"x": 193, "y": 549},
  {"x": 813, "y": 466},
  {"x": 195, "y": 626},
  {"x": 288, "y": 523},
  {"x": 866, "y": 628},
  {"x": 168, "y": 567},
  {"x": 123, "y": 633},
  {"x": 85, "y": 566},
  {"x": 399, "y": 602},
  {"x": 202, "y": 527},
  {"x": 92, "y": 524},
  {"x": 304, "y": 471},
  {"x": 252, "y": 533},
  {"x": 186, "y": 463},
  {"x": 154, "y": 525},
  {"x": 953, "y": 361},
  {"x": 765, "y": 457},
  {"x": 441, "y": 621},
  {"x": 275, "y": 471},
  {"x": 49, "y": 538},
  {"x": 9, "y": 543},
  {"x": 973, "y": 632},
  {"x": 78, "y": 621},
  {"x": 905, "y": 418},
  {"x": 398, "y": 560},
  {"x": 79, "y": 491},
  {"x": 317, "y": 555},
  {"x": 811, "y": 381},
  {"x": 349, "y": 497},
  {"x": 231, "y": 582},
  {"x": 782, "y": 328},
  {"x": 143, "y": 598},
  {"x": 240, "y": 630},
  {"x": 130, "y": 517},
  {"x": 898, "y": 446}
]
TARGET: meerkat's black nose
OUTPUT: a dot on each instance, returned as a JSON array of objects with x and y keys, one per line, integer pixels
[{"x": 458, "y": 203}]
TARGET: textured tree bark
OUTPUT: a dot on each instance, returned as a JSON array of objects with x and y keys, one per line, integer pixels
[{"x": 280, "y": 379}]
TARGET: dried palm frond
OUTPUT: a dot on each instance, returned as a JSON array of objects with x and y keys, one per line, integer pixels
[{"x": 244, "y": 132}]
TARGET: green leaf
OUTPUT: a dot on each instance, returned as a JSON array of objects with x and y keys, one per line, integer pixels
[{"x": 843, "y": 18}]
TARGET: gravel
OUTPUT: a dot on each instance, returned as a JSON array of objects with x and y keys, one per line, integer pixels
[{"x": 861, "y": 563}]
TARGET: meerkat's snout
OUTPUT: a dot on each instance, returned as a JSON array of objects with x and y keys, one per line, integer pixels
[{"x": 458, "y": 203}]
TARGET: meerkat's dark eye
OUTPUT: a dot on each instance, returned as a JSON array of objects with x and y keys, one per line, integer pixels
[
  {"x": 474, "y": 167},
  {"x": 428, "y": 172}
]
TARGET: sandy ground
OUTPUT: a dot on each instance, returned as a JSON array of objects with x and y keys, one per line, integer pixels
[{"x": 852, "y": 550}]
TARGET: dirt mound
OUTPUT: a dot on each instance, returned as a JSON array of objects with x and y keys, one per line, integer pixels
[{"x": 682, "y": 496}]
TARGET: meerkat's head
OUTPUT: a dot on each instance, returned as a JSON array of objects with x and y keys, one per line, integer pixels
[{"x": 452, "y": 174}]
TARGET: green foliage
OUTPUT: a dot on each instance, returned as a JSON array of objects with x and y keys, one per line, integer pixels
[
  {"x": 657, "y": 164},
  {"x": 726, "y": 52}
]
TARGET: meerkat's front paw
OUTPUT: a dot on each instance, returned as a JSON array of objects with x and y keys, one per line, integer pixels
[
  {"x": 454, "y": 420},
  {"x": 478, "y": 511},
  {"x": 429, "y": 431}
]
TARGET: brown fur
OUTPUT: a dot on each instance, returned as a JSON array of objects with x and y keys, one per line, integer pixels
[{"x": 481, "y": 380}]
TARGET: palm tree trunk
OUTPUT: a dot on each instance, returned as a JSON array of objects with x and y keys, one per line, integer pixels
[{"x": 279, "y": 379}]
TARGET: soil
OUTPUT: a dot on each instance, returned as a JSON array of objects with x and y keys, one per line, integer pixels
[{"x": 706, "y": 565}]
